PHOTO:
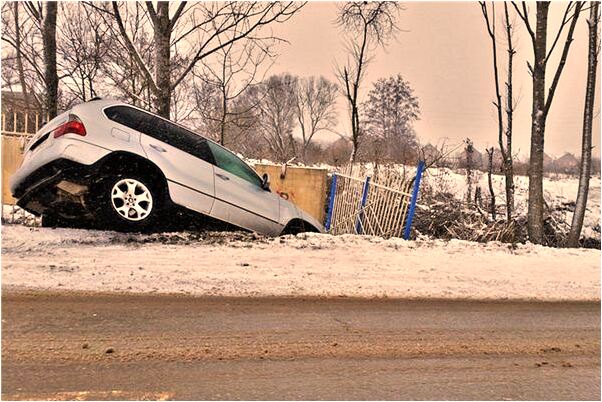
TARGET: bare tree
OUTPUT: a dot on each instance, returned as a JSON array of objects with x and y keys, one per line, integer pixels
[
  {"x": 209, "y": 27},
  {"x": 276, "y": 99},
  {"x": 372, "y": 25},
  {"x": 238, "y": 67},
  {"x": 83, "y": 49},
  {"x": 22, "y": 35},
  {"x": 541, "y": 102},
  {"x": 505, "y": 144},
  {"x": 507, "y": 158},
  {"x": 123, "y": 74},
  {"x": 588, "y": 113},
  {"x": 45, "y": 14},
  {"x": 19, "y": 58},
  {"x": 315, "y": 109}
]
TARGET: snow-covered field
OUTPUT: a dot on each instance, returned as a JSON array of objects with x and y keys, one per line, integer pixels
[{"x": 242, "y": 264}]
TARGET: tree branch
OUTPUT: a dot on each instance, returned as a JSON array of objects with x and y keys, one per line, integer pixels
[
  {"x": 132, "y": 49},
  {"x": 565, "y": 52}
]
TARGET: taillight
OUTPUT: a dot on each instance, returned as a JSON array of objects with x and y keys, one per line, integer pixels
[{"x": 73, "y": 126}]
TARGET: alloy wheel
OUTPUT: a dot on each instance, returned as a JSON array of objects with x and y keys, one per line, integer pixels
[{"x": 131, "y": 199}]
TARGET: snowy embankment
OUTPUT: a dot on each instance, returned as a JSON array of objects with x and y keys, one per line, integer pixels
[{"x": 241, "y": 264}]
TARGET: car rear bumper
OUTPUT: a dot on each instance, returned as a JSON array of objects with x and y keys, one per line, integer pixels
[
  {"x": 51, "y": 151},
  {"x": 54, "y": 186}
]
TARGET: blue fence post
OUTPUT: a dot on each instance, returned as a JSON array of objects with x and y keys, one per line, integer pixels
[
  {"x": 408, "y": 228},
  {"x": 360, "y": 216},
  {"x": 333, "y": 192}
]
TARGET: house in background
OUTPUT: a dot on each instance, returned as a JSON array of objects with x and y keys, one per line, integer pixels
[{"x": 20, "y": 113}]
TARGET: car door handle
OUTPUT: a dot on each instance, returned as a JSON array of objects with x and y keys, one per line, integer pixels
[
  {"x": 157, "y": 148},
  {"x": 222, "y": 176}
]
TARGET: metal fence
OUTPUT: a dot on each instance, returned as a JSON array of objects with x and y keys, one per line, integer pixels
[{"x": 379, "y": 204}]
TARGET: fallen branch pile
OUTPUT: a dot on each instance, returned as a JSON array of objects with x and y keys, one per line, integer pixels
[
  {"x": 445, "y": 217},
  {"x": 442, "y": 216}
]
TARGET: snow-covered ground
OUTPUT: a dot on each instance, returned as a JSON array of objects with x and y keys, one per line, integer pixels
[{"x": 242, "y": 264}]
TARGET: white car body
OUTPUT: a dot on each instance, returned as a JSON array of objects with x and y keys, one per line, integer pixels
[{"x": 200, "y": 185}]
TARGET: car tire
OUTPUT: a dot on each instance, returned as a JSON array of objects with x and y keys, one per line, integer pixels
[
  {"x": 297, "y": 226},
  {"x": 129, "y": 202}
]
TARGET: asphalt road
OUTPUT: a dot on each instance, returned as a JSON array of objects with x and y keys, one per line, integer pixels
[{"x": 170, "y": 347}]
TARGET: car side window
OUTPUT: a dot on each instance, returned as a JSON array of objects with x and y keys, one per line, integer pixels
[
  {"x": 161, "y": 130},
  {"x": 189, "y": 142},
  {"x": 128, "y": 116},
  {"x": 231, "y": 163}
]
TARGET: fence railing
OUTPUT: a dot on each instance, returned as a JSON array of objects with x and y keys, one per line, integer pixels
[
  {"x": 379, "y": 204},
  {"x": 22, "y": 123}
]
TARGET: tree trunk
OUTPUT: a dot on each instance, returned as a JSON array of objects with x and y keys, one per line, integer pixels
[
  {"x": 586, "y": 144},
  {"x": 162, "y": 35},
  {"x": 50, "y": 72},
  {"x": 19, "y": 58},
  {"x": 507, "y": 153},
  {"x": 468, "y": 151},
  {"x": 354, "y": 131},
  {"x": 490, "y": 181},
  {"x": 538, "y": 126}
]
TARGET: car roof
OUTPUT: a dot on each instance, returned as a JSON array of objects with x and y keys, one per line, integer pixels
[{"x": 103, "y": 103}]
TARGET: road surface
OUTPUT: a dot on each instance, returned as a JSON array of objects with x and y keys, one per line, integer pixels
[{"x": 172, "y": 347}]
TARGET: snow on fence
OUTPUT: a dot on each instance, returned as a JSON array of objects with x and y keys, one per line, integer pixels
[{"x": 381, "y": 204}]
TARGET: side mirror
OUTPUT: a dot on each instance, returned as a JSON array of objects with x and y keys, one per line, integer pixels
[{"x": 265, "y": 182}]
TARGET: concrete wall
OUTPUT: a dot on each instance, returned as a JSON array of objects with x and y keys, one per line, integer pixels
[
  {"x": 11, "y": 160},
  {"x": 304, "y": 187}
]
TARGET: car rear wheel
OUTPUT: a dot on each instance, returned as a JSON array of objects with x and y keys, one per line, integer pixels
[{"x": 129, "y": 202}]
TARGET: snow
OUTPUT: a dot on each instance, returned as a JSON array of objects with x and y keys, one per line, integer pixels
[
  {"x": 242, "y": 264},
  {"x": 15, "y": 214}
]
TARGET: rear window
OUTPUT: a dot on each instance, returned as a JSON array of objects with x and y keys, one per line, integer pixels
[
  {"x": 128, "y": 116},
  {"x": 161, "y": 130}
]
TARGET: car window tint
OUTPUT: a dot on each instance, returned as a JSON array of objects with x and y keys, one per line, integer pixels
[
  {"x": 231, "y": 163},
  {"x": 189, "y": 142},
  {"x": 127, "y": 116},
  {"x": 161, "y": 130}
]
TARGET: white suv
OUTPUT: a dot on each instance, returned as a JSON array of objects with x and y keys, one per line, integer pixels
[{"x": 111, "y": 162}]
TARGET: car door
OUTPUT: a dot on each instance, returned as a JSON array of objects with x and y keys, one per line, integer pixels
[
  {"x": 186, "y": 162},
  {"x": 239, "y": 197}
]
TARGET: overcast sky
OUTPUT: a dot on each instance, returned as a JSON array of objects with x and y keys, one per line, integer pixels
[{"x": 445, "y": 54}]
